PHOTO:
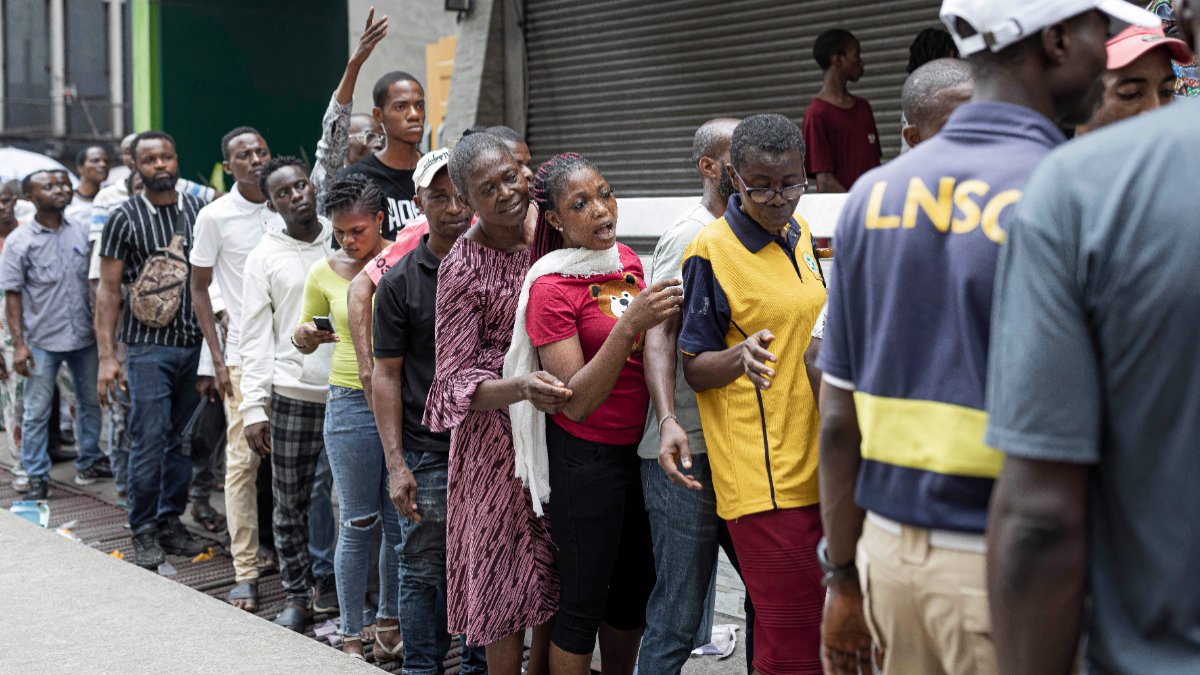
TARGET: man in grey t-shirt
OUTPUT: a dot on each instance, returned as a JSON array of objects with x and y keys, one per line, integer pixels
[
  {"x": 1094, "y": 396},
  {"x": 675, "y": 474}
]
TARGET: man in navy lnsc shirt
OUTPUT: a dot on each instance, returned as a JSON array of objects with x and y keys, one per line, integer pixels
[{"x": 905, "y": 475}]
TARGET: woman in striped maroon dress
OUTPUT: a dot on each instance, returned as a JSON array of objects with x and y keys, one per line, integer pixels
[{"x": 500, "y": 572}]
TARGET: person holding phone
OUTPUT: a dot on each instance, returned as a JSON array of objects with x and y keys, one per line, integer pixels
[{"x": 356, "y": 206}]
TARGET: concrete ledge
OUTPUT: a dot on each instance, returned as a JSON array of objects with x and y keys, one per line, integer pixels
[
  {"x": 71, "y": 609},
  {"x": 650, "y": 217}
]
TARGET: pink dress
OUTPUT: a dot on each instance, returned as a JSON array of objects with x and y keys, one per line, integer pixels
[{"x": 500, "y": 573}]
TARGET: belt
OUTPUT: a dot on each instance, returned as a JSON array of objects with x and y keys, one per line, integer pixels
[{"x": 955, "y": 541}]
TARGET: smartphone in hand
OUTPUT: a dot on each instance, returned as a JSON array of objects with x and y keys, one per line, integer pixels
[{"x": 324, "y": 323}]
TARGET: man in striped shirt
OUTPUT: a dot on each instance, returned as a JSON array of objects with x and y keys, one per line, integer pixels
[{"x": 161, "y": 362}]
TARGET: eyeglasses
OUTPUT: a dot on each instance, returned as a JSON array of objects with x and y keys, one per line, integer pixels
[
  {"x": 764, "y": 195},
  {"x": 367, "y": 137}
]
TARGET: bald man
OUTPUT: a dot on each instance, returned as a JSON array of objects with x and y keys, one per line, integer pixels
[
  {"x": 931, "y": 94},
  {"x": 684, "y": 522}
]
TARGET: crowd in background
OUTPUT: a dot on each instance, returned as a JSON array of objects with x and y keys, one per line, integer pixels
[{"x": 962, "y": 448}]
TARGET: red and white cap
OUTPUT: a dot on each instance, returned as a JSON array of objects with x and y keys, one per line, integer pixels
[
  {"x": 1130, "y": 44},
  {"x": 1001, "y": 23}
]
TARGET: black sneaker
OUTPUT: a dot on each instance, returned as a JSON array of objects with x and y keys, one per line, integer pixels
[
  {"x": 58, "y": 455},
  {"x": 175, "y": 539},
  {"x": 39, "y": 488},
  {"x": 67, "y": 436},
  {"x": 326, "y": 600},
  {"x": 98, "y": 471},
  {"x": 146, "y": 552}
]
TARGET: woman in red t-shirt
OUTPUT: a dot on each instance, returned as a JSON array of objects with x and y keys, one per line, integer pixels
[{"x": 589, "y": 332}]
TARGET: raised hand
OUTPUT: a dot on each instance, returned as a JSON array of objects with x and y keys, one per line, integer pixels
[{"x": 372, "y": 34}]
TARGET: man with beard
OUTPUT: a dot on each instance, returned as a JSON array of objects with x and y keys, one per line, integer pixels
[
  {"x": 44, "y": 277},
  {"x": 283, "y": 391},
  {"x": 226, "y": 231},
  {"x": 161, "y": 362},
  {"x": 684, "y": 525}
]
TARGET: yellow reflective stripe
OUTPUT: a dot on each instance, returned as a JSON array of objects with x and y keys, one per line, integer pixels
[{"x": 926, "y": 435}]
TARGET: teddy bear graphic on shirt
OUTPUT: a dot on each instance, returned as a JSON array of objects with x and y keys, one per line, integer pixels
[{"x": 614, "y": 298}]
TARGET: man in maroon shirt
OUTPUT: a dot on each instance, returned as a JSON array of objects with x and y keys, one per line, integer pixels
[{"x": 839, "y": 128}]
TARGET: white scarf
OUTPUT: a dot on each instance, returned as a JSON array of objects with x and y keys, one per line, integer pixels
[{"x": 529, "y": 423}]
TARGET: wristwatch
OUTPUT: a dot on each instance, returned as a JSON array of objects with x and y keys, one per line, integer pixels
[{"x": 834, "y": 575}]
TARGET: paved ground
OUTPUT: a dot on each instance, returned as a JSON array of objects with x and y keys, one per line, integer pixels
[
  {"x": 73, "y": 609},
  {"x": 729, "y": 596}
]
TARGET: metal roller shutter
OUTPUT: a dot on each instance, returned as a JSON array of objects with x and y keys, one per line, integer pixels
[{"x": 627, "y": 82}]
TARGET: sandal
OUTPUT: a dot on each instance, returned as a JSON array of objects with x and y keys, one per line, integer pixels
[
  {"x": 265, "y": 559},
  {"x": 247, "y": 590},
  {"x": 294, "y": 618},
  {"x": 349, "y": 638},
  {"x": 207, "y": 516},
  {"x": 383, "y": 654}
]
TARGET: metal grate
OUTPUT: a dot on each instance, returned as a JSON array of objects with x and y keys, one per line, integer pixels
[{"x": 627, "y": 82}]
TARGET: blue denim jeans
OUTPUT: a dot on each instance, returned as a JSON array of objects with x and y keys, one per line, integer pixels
[
  {"x": 321, "y": 530},
  {"x": 423, "y": 574},
  {"x": 162, "y": 389},
  {"x": 361, "y": 479},
  {"x": 118, "y": 439},
  {"x": 683, "y": 524},
  {"x": 39, "y": 395}
]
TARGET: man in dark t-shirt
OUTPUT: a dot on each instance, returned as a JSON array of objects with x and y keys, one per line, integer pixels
[
  {"x": 400, "y": 108},
  {"x": 839, "y": 128},
  {"x": 417, "y": 458}
]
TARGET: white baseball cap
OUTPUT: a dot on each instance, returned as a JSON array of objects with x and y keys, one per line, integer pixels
[
  {"x": 429, "y": 165},
  {"x": 1001, "y": 23}
]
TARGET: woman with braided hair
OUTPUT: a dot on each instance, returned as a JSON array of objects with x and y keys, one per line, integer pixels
[
  {"x": 355, "y": 204},
  {"x": 583, "y": 314},
  {"x": 500, "y": 574}
]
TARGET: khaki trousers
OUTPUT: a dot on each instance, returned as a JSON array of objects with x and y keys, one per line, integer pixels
[
  {"x": 926, "y": 607},
  {"x": 241, "y": 494}
]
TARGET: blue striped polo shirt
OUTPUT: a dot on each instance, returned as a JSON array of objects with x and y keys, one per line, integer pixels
[{"x": 910, "y": 310}]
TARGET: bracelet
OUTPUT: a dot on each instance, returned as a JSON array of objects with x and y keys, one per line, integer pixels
[
  {"x": 292, "y": 336},
  {"x": 668, "y": 417}
]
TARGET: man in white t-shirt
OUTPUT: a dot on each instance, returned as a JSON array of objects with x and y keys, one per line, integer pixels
[
  {"x": 684, "y": 525},
  {"x": 226, "y": 231}
]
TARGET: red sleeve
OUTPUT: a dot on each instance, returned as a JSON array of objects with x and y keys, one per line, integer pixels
[
  {"x": 631, "y": 263},
  {"x": 550, "y": 316},
  {"x": 458, "y": 333},
  {"x": 818, "y": 155}
]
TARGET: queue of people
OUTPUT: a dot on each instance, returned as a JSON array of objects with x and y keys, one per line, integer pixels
[{"x": 958, "y": 451}]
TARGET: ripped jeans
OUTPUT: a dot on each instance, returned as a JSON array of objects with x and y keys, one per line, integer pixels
[{"x": 361, "y": 478}]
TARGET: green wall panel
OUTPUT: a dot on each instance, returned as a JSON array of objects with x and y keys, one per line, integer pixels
[{"x": 269, "y": 64}]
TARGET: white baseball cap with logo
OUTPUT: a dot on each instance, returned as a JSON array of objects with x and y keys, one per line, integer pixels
[
  {"x": 429, "y": 165},
  {"x": 1001, "y": 23}
]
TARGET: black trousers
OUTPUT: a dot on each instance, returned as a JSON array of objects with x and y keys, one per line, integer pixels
[{"x": 601, "y": 536}]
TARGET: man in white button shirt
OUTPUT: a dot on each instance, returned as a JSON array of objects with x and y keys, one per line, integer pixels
[{"x": 226, "y": 231}]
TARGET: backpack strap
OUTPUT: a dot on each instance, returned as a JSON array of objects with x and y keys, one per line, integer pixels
[{"x": 181, "y": 220}]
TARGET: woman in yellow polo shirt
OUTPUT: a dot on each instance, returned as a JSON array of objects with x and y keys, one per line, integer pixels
[
  {"x": 355, "y": 205},
  {"x": 753, "y": 291}
]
